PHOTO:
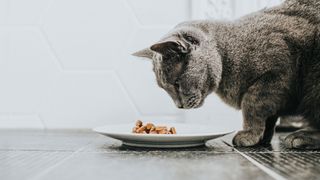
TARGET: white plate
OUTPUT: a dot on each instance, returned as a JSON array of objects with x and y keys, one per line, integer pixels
[{"x": 188, "y": 135}]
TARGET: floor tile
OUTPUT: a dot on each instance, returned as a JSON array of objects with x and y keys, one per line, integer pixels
[
  {"x": 44, "y": 140},
  {"x": 17, "y": 165},
  {"x": 156, "y": 166},
  {"x": 290, "y": 165}
]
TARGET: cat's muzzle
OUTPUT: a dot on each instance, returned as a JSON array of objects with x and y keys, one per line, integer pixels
[{"x": 193, "y": 101}]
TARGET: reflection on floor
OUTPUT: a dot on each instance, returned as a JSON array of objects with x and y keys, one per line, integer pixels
[{"x": 26, "y": 154}]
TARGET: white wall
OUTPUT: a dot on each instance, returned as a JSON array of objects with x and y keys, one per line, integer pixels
[{"x": 67, "y": 63}]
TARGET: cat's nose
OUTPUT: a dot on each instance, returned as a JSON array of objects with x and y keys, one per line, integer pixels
[{"x": 178, "y": 104}]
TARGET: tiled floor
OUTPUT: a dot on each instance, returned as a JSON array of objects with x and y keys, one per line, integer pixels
[{"x": 85, "y": 155}]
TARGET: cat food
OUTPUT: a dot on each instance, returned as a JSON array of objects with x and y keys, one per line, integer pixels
[{"x": 150, "y": 128}]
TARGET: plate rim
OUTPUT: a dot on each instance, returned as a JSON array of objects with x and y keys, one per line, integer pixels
[
  {"x": 164, "y": 145},
  {"x": 98, "y": 130}
]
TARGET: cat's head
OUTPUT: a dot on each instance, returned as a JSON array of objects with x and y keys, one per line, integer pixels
[{"x": 187, "y": 65}]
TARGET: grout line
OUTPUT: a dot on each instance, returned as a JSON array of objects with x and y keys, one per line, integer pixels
[
  {"x": 41, "y": 174},
  {"x": 282, "y": 152},
  {"x": 124, "y": 90},
  {"x": 256, "y": 163},
  {"x": 53, "y": 52},
  {"x": 190, "y": 9},
  {"x": 132, "y": 11},
  {"x": 83, "y": 70},
  {"x": 42, "y": 121},
  {"x": 45, "y": 11},
  {"x": 34, "y": 150},
  {"x": 262, "y": 167}
]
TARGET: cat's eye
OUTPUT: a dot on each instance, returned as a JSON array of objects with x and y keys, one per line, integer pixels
[
  {"x": 191, "y": 39},
  {"x": 176, "y": 84}
]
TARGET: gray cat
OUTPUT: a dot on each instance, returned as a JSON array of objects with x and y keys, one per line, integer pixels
[{"x": 266, "y": 63}]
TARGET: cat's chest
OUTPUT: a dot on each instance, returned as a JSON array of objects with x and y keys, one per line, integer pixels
[{"x": 230, "y": 92}]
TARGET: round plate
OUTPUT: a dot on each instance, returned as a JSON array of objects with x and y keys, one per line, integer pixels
[{"x": 188, "y": 135}]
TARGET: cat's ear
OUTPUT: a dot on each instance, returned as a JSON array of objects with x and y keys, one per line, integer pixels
[
  {"x": 146, "y": 53},
  {"x": 170, "y": 46}
]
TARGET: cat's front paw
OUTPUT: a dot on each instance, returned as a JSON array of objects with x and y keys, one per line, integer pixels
[
  {"x": 247, "y": 138},
  {"x": 303, "y": 139}
]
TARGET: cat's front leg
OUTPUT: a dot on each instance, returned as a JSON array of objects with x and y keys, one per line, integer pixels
[
  {"x": 259, "y": 108},
  {"x": 252, "y": 137}
]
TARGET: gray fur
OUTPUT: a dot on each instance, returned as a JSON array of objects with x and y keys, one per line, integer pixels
[{"x": 267, "y": 64}]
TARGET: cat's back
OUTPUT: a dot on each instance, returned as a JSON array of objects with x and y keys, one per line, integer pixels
[
  {"x": 278, "y": 20},
  {"x": 265, "y": 41},
  {"x": 307, "y": 9},
  {"x": 255, "y": 34}
]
